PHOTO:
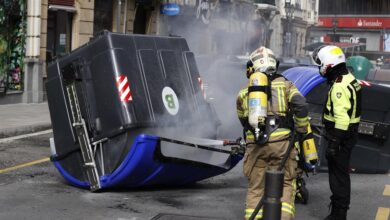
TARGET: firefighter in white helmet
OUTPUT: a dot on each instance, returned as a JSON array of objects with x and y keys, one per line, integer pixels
[
  {"x": 341, "y": 117},
  {"x": 270, "y": 97}
]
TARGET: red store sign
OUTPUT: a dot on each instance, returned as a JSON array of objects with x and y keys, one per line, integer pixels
[{"x": 354, "y": 22}]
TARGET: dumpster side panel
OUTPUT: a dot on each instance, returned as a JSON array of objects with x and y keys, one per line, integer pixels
[{"x": 150, "y": 64}]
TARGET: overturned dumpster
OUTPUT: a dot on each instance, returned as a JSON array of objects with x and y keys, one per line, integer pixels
[
  {"x": 129, "y": 111},
  {"x": 372, "y": 151}
]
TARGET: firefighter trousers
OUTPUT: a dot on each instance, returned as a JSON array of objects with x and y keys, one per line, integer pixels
[{"x": 259, "y": 158}]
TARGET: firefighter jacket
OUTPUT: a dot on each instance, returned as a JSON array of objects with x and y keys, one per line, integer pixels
[
  {"x": 285, "y": 97},
  {"x": 343, "y": 104}
]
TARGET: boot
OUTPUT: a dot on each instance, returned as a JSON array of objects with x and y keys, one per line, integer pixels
[{"x": 337, "y": 213}]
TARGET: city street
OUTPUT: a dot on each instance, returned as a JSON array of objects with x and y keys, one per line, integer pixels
[{"x": 37, "y": 191}]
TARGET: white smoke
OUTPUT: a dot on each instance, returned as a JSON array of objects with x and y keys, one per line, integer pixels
[{"x": 230, "y": 32}]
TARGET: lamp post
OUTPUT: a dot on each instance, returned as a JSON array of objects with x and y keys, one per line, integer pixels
[
  {"x": 334, "y": 23},
  {"x": 118, "y": 16},
  {"x": 385, "y": 36},
  {"x": 267, "y": 10},
  {"x": 289, "y": 8}
]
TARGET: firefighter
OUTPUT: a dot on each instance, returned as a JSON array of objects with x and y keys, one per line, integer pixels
[
  {"x": 341, "y": 117},
  {"x": 265, "y": 150}
]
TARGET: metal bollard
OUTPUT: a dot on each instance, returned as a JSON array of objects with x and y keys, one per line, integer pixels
[{"x": 273, "y": 193}]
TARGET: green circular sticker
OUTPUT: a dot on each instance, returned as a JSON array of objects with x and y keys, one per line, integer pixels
[{"x": 171, "y": 102}]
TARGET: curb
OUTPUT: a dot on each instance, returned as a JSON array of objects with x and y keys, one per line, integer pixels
[{"x": 10, "y": 132}]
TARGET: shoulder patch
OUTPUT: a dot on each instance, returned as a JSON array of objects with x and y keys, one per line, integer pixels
[{"x": 338, "y": 95}]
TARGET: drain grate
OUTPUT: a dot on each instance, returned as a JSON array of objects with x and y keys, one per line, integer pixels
[{"x": 183, "y": 217}]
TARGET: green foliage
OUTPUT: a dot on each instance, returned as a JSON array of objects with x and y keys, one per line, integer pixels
[{"x": 12, "y": 41}]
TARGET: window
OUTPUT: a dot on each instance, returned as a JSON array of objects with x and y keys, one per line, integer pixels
[
  {"x": 59, "y": 34},
  {"x": 102, "y": 16}
]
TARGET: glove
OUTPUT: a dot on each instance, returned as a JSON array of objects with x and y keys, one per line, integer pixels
[{"x": 334, "y": 138}]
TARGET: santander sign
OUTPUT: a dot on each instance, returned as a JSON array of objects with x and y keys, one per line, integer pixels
[
  {"x": 364, "y": 23},
  {"x": 354, "y": 22}
]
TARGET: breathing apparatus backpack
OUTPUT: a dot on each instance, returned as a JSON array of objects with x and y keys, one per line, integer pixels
[
  {"x": 261, "y": 67},
  {"x": 257, "y": 105}
]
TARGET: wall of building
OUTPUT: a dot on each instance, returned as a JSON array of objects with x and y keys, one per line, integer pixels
[
  {"x": 44, "y": 12},
  {"x": 82, "y": 26},
  {"x": 303, "y": 15},
  {"x": 354, "y": 7},
  {"x": 372, "y": 38}
]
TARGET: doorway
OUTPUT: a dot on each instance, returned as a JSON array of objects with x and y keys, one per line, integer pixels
[{"x": 59, "y": 34}]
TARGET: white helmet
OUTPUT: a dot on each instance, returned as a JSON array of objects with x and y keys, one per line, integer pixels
[
  {"x": 264, "y": 60},
  {"x": 326, "y": 57}
]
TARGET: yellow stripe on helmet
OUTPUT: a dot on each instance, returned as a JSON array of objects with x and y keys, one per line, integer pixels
[{"x": 336, "y": 51}]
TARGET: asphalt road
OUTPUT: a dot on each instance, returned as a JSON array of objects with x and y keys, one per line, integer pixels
[{"x": 39, "y": 192}]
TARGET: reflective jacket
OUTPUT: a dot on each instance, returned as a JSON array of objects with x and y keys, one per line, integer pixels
[
  {"x": 285, "y": 96},
  {"x": 343, "y": 105}
]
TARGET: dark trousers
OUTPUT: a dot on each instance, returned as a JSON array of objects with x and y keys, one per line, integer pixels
[{"x": 339, "y": 169}]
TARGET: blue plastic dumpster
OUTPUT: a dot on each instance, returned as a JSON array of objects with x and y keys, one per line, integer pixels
[{"x": 129, "y": 111}]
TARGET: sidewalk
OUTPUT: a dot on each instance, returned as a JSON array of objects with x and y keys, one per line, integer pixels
[{"x": 23, "y": 118}]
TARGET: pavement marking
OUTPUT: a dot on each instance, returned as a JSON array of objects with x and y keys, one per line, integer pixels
[
  {"x": 386, "y": 192},
  {"x": 382, "y": 214},
  {"x": 2, "y": 140},
  {"x": 9, "y": 169}
]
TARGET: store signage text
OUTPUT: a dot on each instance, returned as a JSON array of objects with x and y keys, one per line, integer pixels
[
  {"x": 354, "y": 22},
  {"x": 170, "y": 9}
]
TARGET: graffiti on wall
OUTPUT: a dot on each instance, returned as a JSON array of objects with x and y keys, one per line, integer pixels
[{"x": 12, "y": 44}]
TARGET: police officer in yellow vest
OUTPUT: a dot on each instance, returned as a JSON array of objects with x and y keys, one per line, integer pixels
[
  {"x": 341, "y": 118},
  {"x": 265, "y": 151}
]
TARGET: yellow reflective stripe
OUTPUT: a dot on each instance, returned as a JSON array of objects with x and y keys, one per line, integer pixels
[
  {"x": 292, "y": 93},
  {"x": 252, "y": 210},
  {"x": 248, "y": 213},
  {"x": 279, "y": 100},
  {"x": 280, "y": 132},
  {"x": 294, "y": 184},
  {"x": 301, "y": 121},
  {"x": 257, "y": 216},
  {"x": 288, "y": 211},
  {"x": 285, "y": 204},
  {"x": 283, "y": 107},
  {"x": 288, "y": 208}
]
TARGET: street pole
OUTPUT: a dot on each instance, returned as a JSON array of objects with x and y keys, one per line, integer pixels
[
  {"x": 289, "y": 9},
  {"x": 266, "y": 13},
  {"x": 118, "y": 18},
  {"x": 335, "y": 23}
]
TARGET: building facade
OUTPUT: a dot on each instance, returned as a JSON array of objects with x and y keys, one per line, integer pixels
[
  {"x": 364, "y": 23},
  {"x": 219, "y": 27}
]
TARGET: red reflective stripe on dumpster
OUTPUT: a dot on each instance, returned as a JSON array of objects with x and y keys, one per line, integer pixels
[
  {"x": 202, "y": 87},
  {"x": 124, "y": 88}
]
